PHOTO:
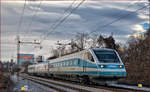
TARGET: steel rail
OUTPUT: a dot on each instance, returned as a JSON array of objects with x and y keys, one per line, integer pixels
[
  {"x": 74, "y": 87},
  {"x": 92, "y": 89}
]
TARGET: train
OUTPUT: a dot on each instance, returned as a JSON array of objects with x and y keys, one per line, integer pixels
[{"x": 99, "y": 65}]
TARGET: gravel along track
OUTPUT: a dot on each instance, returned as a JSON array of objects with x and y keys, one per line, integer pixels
[{"x": 64, "y": 86}]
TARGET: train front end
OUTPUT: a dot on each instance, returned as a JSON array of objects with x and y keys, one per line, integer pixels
[{"x": 109, "y": 64}]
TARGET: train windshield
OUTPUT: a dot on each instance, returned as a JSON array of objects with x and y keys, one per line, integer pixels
[{"x": 106, "y": 56}]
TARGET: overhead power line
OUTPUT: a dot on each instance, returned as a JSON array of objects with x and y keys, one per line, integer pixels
[
  {"x": 60, "y": 18},
  {"x": 126, "y": 8},
  {"x": 53, "y": 29},
  {"x": 70, "y": 6},
  {"x": 120, "y": 15},
  {"x": 34, "y": 17},
  {"x": 21, "y": 18},
  {"x": 118, "y": 19}
]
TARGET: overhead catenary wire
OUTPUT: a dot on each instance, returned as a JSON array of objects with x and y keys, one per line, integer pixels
[
  {"x": 129, "y": 5},
  {"x": 55, "y": 27},
  {"x": 118, "y": 19},
  {"x": 36, "y": 13},
  {"x": 64, "y": 18},
  {"x": 60, "y": 18},
  {"x": 21, "y": 19},
  {"x": 120, "y": 16},
  {"x": 70, "y": 6},
  {"x": 33, "y": 17}
]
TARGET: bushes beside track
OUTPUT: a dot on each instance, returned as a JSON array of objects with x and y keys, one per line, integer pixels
[{"x": 136, "y": 57}]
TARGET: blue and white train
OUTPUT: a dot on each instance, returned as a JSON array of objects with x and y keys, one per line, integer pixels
[{"x": 95, "y": 64}]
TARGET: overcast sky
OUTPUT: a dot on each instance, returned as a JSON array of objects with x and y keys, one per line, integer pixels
[{"x": 90, "y": 16}]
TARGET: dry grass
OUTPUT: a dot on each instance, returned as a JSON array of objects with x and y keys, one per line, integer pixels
[{"x": 5, "y": 81}]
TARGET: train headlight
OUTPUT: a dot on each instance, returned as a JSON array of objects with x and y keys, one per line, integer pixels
[
  {"x": 120, "y": 66},
  {"x": 102, "y": 66}
]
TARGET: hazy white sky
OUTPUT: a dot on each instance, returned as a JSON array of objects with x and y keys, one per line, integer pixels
[{"x": 90, "y": 16}]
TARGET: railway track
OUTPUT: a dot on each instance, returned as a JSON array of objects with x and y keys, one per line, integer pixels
[{"x": 64, "y": 86}]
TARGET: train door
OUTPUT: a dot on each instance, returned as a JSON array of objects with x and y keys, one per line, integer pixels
[
  {"x": 84, "y": 63},
  {"x": 50, "y": 66},
  {"x": 88, "y": 61}
]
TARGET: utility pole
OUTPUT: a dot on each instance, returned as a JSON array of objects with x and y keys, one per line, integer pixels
[{"x": 18, "y": 50}]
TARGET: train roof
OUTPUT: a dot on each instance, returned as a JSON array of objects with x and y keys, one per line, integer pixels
[
  {"x": 66, "y": 56},
  {"x": 76, "y": 53},
  {"x": 40, "y": 63}
]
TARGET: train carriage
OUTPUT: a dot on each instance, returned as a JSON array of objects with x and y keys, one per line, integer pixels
[{"x": 95, "y": 64}]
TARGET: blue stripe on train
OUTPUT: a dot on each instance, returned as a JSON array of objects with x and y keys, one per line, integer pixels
[
  {"x": 114, "y": 73},
  {"x": 76, "y": 72},
  {"x": 106, "y": 73}
]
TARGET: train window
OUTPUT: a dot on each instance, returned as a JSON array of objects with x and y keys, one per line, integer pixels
[
  {"x": 63, "y": 63},
  {"x": 106, "y": 56},
  {"x": 56, "y": 65},
  {"x": 74, "y": 62},
  {"x": 53, "y": 65},
  {"x": 67, "y": 63},
  {"x": 50, "y": 65},
  {"x": 90, "y": 57},
  {"x": 60, "y": 64},
  {"x": 70, "y": 63},
  {"x": 77, "y": 62}
]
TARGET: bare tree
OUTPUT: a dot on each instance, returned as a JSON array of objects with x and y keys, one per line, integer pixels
[
  {"x": 94, "y": 41},
  {"x": 100, "y": 40},
  {"x": 136, "y": 59},
  {"x": 108, "y": 42},
  {"x": 81, "y": 40}
]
